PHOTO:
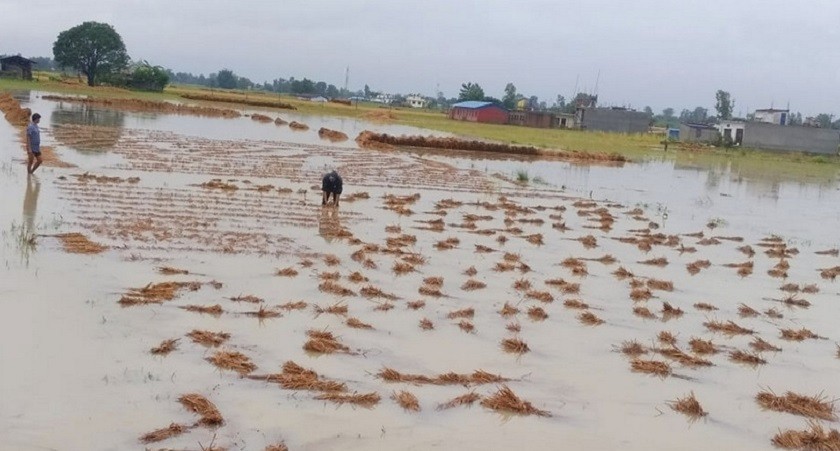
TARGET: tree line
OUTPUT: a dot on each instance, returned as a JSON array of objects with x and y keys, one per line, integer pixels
[{"x": 97, "y": 51}]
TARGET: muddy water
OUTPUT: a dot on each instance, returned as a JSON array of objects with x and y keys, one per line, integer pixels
[{"x": 77, "y": 373}]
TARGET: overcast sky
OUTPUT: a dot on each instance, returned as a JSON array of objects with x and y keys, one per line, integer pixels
[{"x": 655, "y": 53}]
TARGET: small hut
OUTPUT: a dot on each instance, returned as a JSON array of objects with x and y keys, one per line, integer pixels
[{"x": 17, "y": 66}]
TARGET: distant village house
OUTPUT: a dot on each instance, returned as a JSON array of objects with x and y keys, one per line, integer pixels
[
  {"x": 475, "y": 111},
  {"x": 16, "y": 66},
  {"x": 416, "y": 101}
]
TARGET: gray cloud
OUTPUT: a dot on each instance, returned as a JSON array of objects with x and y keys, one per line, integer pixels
[{"x": 648, "y": 53}]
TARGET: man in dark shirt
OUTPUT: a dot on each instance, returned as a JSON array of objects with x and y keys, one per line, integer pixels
[
  {"x": 33, "y": 144},
  {"x": 331, "y": 184}
]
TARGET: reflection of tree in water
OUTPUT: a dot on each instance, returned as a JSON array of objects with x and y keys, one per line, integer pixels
[{"x": 86, "y": 129}]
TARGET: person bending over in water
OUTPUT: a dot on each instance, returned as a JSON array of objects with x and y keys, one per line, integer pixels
[{"x": 331, "y": 184}]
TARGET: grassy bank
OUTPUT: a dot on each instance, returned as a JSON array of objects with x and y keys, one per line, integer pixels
[{"x": 637, "y": 147}]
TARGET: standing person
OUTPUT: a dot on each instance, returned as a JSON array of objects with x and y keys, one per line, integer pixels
[
  {"x": 331, "y": 184},
  {"x": 33, "y": 144}
]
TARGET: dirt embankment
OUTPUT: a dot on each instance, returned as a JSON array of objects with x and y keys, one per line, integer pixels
[
  {"x": 19, "y": 117},
  {"x": 332, "y": 135},
  {"x": 382, "y": 141},
  {"x": 14, "y": 113},
  {"x": 148, "y": 105},
  {"x": 241, "y": 101}
]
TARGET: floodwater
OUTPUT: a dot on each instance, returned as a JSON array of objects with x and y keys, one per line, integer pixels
[{"x": 76, "y": 368}]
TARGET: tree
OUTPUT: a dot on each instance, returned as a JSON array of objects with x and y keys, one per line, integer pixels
[
  {"x": 724, "y": 105},
  {"x": 560, "y": 103},
  {"x": 509, "y": 99},
  {"x": 668, "y": 113},
  {"x": 471, "y": 91},
  {"x": 824, "y": 120},
  {"x": 92, "y": 48},
  {"x": 148, "y": 78},
  {"x": 649, "y": 111},
  {"x": 226, "y": 79}
]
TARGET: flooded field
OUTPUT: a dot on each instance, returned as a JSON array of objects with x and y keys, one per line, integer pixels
[{"x": 181, "y": 287}]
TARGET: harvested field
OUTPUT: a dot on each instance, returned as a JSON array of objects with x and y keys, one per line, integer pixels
[
  {"x": 137, "y": 105},
  {"x": 184, "y": 202},
  {"x": 238, "y": 100}
]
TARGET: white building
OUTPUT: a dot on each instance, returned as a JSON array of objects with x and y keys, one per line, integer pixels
[
  {"x": 416, "y": 101},
  {"x": 732, "y": 131},
  {"x": 773, "y": 116}
]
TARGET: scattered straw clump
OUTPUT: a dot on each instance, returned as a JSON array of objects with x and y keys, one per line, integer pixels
[
  {"x": 426, "y": 324},
  {"x": 463, "y": 313},
  {"x": 464, "y": 400},
  {"x": 77, "y": 243},
  {"x": 170, "y": 271},
  {"x": 210, "y": 415},
  {"x": 537, "y": 314},
  {"x": 817, "y": 406},
  {"x": 416, "y": 305},
  {"x": 575, "y": 304},
  {"x": 703, "y": 347},
  {"x": 661, "y": 261},
  {"x": 333, "y": 287},
  {"x": 749, "y": 358},
  {"x": 357, "y": 277},
  {"x": 695, "y": 267},
  {"x": 705, "y": 307},
  {"x": 367, "y": 400},
  {"x": 640, "y": 294},
  {"x": 745, "y": 311},
  {"x": 632, "y": 348},
  {"x": 728, "y": 328},
  {"x": 215, "y": 310},
  {"x": 689, "y": 406},
  {"x": 355, "y": 323},
  {"x": 165, "y": 347},
  {"x": 406, "y": 400},
  {"x": 401, "y": 268},
  {"x": 208, "y": 338},
  {"x": 287, "y": 272},
  {"x": 667, "y": 338},
  {"x": 508, "y": 310},
  {"x": 654, "y": 367},
  {"x": 643, "y": 312},
  {"x": 433, "y": 281},
  {"x": 295, "y": 377},
  {"x": 466, "y": 326},
  {"x": 798, "y": 335},
  {"x": 815, "y": 438},
  {"x": 472, "y": 284},
  {"x": 589, "y": 319},
  {"x": 669, "y": 311},
  {"x": 515, "y": 346},
  {"x": 324, "y": 343},
  {"x": 156, "y": 293},
  {"x": 251, "y": 299},
  {"x": 335, "y": 309},
  {"x": 371, "y": 291},
  {"x": 172, "y": 430},
  {"x": 232, "y": 360},
  {"x": 542, "y": 296},
  {"x": 662, "y": 285},
  {"x": 504, "y": 400}
]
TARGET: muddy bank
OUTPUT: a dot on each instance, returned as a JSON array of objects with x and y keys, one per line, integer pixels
[
  {"x": 19, "y": 117},
  {"x": 138, "y": 105},
  {"x": 332, "y": 135},
  {"x": 243, "y": 101},
  {"x": 371, "y": 140}
]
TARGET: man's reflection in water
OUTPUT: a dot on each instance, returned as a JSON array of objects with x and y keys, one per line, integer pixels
[
  {"x": 30, "y": 203},
  {"x": 328, "y": 224}
]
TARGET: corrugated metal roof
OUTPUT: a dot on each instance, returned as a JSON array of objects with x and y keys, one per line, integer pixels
[{"x": 473, "y": 104}]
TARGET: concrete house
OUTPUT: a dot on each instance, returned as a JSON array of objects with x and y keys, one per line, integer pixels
[
  {"x": 793, "y": 138},
  {"x": 732, "y": 131},
  {"x": 416, "y": 101},
  {"x": 772, "y": 116}
]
